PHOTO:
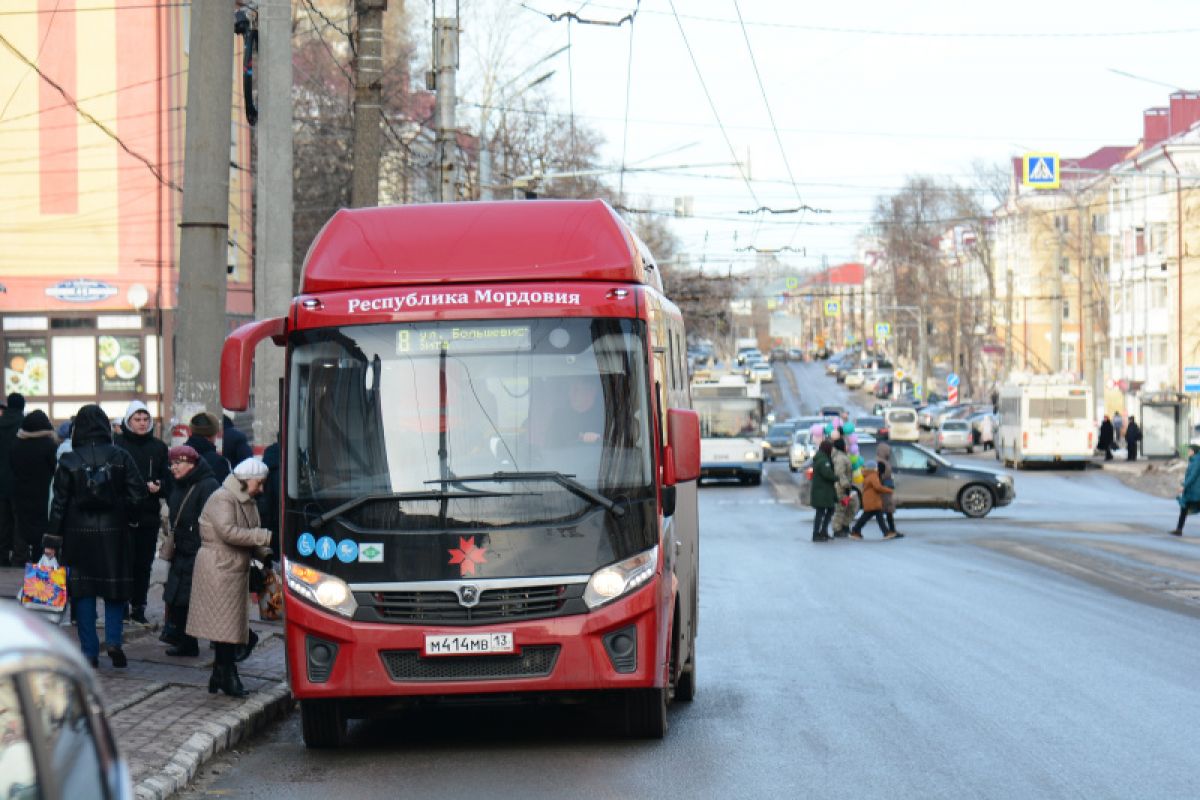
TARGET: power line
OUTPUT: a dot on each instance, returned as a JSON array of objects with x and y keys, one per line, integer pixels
[
  {"x": 712, "y": 105},
  {"x": 573, "y": 16}
]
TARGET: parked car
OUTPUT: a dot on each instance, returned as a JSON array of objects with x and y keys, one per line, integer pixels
[
  {"x": 926, "y": 416},
  {"x": 778, "y": 441},
  {"x": 56, "y": 742},
  {"x": 901, "y": 424},
  {"x": 795, "y": 354},
  {"x": 855, "y": 377},
  {"x": 800, "y": 450},
  {"x": 953, "y": 434},
  {"x": 873, "y": 426},
  {"x": 832, "y": 365},
  {"x": 779, "y": 354},
  {"x": 762, "y": 372}
]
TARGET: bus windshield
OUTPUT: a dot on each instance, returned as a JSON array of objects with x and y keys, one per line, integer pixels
[
  {"x": 390, "y": 409},
  {"x": 728, "y": 417}
]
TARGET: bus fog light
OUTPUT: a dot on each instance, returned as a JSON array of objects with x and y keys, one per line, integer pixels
[{"x": 621, "y": 578}]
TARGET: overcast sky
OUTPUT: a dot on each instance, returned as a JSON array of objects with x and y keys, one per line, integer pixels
[{"x": 863, "y": 94}]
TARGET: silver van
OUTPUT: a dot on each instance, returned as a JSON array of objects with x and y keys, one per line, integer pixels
[{"x": 901, "y": 424}]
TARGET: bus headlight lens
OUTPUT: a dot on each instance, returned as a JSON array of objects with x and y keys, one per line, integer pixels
[
  {"x": 619, "y": 579},
  {"x": 753, "y": 456},
  {"x": 326, "y": 591}
]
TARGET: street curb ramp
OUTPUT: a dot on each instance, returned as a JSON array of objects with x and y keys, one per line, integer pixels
[{"x": 215, "y": 737}]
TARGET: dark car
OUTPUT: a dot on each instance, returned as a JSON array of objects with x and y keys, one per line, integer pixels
[
  {"x": 926, "y": 480},
  {"x": 778, "y": 441},
  {"x": 875, "y": 426},
  {"x": 56, "y": 743},
  {"x": 831, "y": 411}
]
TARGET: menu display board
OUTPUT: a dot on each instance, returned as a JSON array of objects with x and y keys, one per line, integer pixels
[
  {"x": 26, "y": 369},
  {"x": 120, "y": 360}
]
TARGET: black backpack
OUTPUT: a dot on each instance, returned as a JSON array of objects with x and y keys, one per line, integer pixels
[{"x": 101, "y": 489}]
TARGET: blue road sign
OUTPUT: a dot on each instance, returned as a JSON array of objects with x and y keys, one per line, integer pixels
[{"x": 952, "y": 379}]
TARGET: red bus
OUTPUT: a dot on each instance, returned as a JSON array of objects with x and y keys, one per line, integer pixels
[{"x": 489, "y": 464}]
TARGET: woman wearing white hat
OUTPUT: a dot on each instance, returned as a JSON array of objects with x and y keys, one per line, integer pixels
[{"x": 230, "y": 534}]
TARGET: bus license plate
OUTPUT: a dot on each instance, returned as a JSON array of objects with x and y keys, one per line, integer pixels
[{"x": 469, "y": 644}]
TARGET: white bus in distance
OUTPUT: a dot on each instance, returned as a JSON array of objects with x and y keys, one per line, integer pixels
[
  {"x": 1045, "y": 421},
  {"x": 732, "y": 416}
]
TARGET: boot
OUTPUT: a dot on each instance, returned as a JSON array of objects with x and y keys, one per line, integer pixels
[
  {"x": 244, "y": 651},
  {"x": 231, "y": 682},
  {"x": 214, "y": 680}
]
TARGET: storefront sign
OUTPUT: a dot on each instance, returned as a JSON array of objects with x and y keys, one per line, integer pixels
[
  {"x": 26, "y": 369},
  {"x": 81, "y": 290},
  {"x": 120, "y": 363},
  {"x": 1191, "y": 379}
]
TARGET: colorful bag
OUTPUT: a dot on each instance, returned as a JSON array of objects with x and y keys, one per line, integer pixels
[
  {"x": 270, "y": 598},
  {"x": 45, "y": 586}
]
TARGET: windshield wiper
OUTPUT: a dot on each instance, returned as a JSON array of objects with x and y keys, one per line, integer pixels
[
  {"x": 568, "y": 482},
  {"x": 376, "y": 498}
]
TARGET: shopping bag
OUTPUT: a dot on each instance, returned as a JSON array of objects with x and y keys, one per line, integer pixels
[
  {"x": 45, "y": 586},
  {"x": 270, "y": 598}
]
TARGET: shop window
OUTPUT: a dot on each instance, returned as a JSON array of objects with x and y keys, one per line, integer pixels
[
  {"x": 110, "y": 322},
  {"x": 26, "y": 323},
  {"x": 72, "y": 323},
  {"x": 73, "y": 365},
  {"x": 26, "y": 369}
]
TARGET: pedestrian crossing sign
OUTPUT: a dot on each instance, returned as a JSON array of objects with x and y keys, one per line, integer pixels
[
  {"x": 832, "y": 308},
  {"x": 1041, "y": 170}
]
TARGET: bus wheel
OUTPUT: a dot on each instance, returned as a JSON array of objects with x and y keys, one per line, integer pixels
[
  {"x": 646, "y": 712},
  {"x": 756, "y": 479},
  {"x": 685, "y": 687},
  {"x": 323, "y": 724}
]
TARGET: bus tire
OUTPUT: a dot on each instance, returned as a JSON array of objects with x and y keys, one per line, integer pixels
[
  {"x": 756, "y": 479},
  {"x": 322, "y": 724},
  {"x": 976, "y": 501},
  {"x": 685, "y": 687},
  {"x": 646, "y": 712}
]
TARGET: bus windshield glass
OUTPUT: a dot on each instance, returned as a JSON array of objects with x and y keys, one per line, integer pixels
[
  {"x": 728, "y": 417},
  {"x": 389, "y": 409}
]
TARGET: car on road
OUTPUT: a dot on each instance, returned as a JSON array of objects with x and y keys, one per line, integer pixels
[
  {"x": 927, "y": 415},
  {"x": 828, "y": 411},
  {"x": 795, "y": 354},
  {"x": 872, "y": 425},
  {"x": 901, "y": 424},
  {"x": 779, "y": 354},
  {"x": 55, "y": 742},
  {"x": 855, "y": 377},
  {"x": 762, "y": 372},
  {"x": 926, "y": 480},
  {"x": 953, "y": 434},
  {"x": 800, "y": 450},
  {"x": 778, "y": 441}
]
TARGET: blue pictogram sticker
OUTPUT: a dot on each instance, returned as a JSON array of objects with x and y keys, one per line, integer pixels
[
  {"x": 347, "y": 551},
  {"x": 306, "y": 545},
  {"x": 325, "y": 548}
]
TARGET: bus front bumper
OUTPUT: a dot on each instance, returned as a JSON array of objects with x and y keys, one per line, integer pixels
[
  {"x": 331, "y": 657},
  {"x": 730, "y": 469}
]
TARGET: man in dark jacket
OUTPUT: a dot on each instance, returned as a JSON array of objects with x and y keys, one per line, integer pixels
[
  {"x": 150, "y": 454},
  {"x": 193, "y": 485},
  {"x": 1133, "y": 438},
  {"x": 234, "y": 444},
  {"x": 33, "y": 460},
  {"x": 10, "y": 422},
  {"x": 205, "y": 430},
  {"x": 268, "y": 501},
  {"x": 1105, "y": 444},
  {"x": 97, "y": 489}
]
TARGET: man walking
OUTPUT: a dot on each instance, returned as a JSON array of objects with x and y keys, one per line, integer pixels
[
  {"x": 1105, "y": 445},
  {"x": 1133, "y": 438},
  {"x": 10, "y": 537},
  {"x": 137, "y": 438},
  {"x": 1118, "y": 427}
]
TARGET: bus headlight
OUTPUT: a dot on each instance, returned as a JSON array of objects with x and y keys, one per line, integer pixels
[
  {"x": 619, "y": 579},
  {"x": 753, "y": 456},
  {"x": 326, "y": 591}
]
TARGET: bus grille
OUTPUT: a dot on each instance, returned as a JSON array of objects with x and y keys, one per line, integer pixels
[
  {"x": 495, "y": 605},
  {"x": 409, "y": 665}
]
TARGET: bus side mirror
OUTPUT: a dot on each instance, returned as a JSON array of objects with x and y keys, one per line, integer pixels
[
  {"x": 237, "y": 359},
  {"x": 681, "y": 456}
]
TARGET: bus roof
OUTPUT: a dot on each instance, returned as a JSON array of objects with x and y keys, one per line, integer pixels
[{"x": 448, "y": 243}]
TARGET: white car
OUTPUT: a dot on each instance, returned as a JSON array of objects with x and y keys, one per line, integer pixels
[
  {"x": 855, "y": 378},
  {"x": 799, "y": 452},
  {"x": 901, "y": 424},
  {"x": 953, "y": 434},
  {"x": 763, "y": 373}
]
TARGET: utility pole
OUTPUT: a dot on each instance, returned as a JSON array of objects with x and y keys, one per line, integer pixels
[
  {"x": 445, "y": 65},
  {"x": 273, "y": 194},
  {"x": 1056, "y": 302},
  {"x": 204, "y": 230},
  {"x": 1008, "y": 316},
  {"x": 368, "y": 102}
]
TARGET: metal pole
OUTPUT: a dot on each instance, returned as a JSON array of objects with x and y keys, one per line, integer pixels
[
  {"x": 921, "y": 352},
  {"x": 1056, "y": 303},
  {"x": 204, "y": 230},
  {"x": 446, "y": 65},
  {"x": 273, "y": 188},
  {"x": 368, "y": 102}
]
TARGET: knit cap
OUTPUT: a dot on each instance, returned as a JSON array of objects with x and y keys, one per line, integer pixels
[{"x": 251, "y": 468}]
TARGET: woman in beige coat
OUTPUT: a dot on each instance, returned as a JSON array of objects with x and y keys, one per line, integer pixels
[{"x": 230, "y": 535}]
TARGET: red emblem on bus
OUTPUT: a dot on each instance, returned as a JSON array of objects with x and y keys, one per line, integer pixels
[{"x": 467, "y": 555}]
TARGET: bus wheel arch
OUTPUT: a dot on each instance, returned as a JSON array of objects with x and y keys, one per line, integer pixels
[{"x": 683, "y": 676}]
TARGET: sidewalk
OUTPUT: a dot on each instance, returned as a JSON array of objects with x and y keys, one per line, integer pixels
[
  {"x": 166, "y": 723},
  {"x": 1160, "y": 477}
]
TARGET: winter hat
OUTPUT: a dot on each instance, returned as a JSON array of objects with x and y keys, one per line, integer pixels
[
  {"x": 36, "y": 421},
  {"x": 251, "y": 468},
  {"x": 183, "y": 453},
  {"x": 1194, "y": 444},
  {"x": 134, "y": 407},
  {"x": 871, "y": 465},
  {"x": 15, "y": 401},
  {"x": 205, "y": 424}
]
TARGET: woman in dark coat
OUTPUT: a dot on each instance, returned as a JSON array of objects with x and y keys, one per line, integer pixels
[
  {"x": 33, "y": 462},
  {"x": 97, "y": 489},
  {"x": 1133, "y": 438},
  {"x": 193, "y": 485},
  {"x": 824, "y": 491},
  {"x": 1105, "y": 444}
]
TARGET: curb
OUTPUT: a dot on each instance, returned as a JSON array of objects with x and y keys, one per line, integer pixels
[{"x": 214, "y": 738}]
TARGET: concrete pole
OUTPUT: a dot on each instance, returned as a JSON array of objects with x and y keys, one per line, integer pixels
[
  {"x": 921, "y": 353},
  {"x": 368, "y": 102},
  {"x": 204, "y": 231},
  {"x": 445, "y": 44},
  {"x": 1056, "y": 303},
  {"x": 1008, "y": 318},
  {"x": 273, "y": 192}
]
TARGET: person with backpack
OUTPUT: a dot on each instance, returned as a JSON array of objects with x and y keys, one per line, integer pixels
[
  {"x": 96, "y": 492},
  {"x": 150, "y": 454}
]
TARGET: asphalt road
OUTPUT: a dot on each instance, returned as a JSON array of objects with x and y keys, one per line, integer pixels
[{"x": 1047, "y": 651}]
